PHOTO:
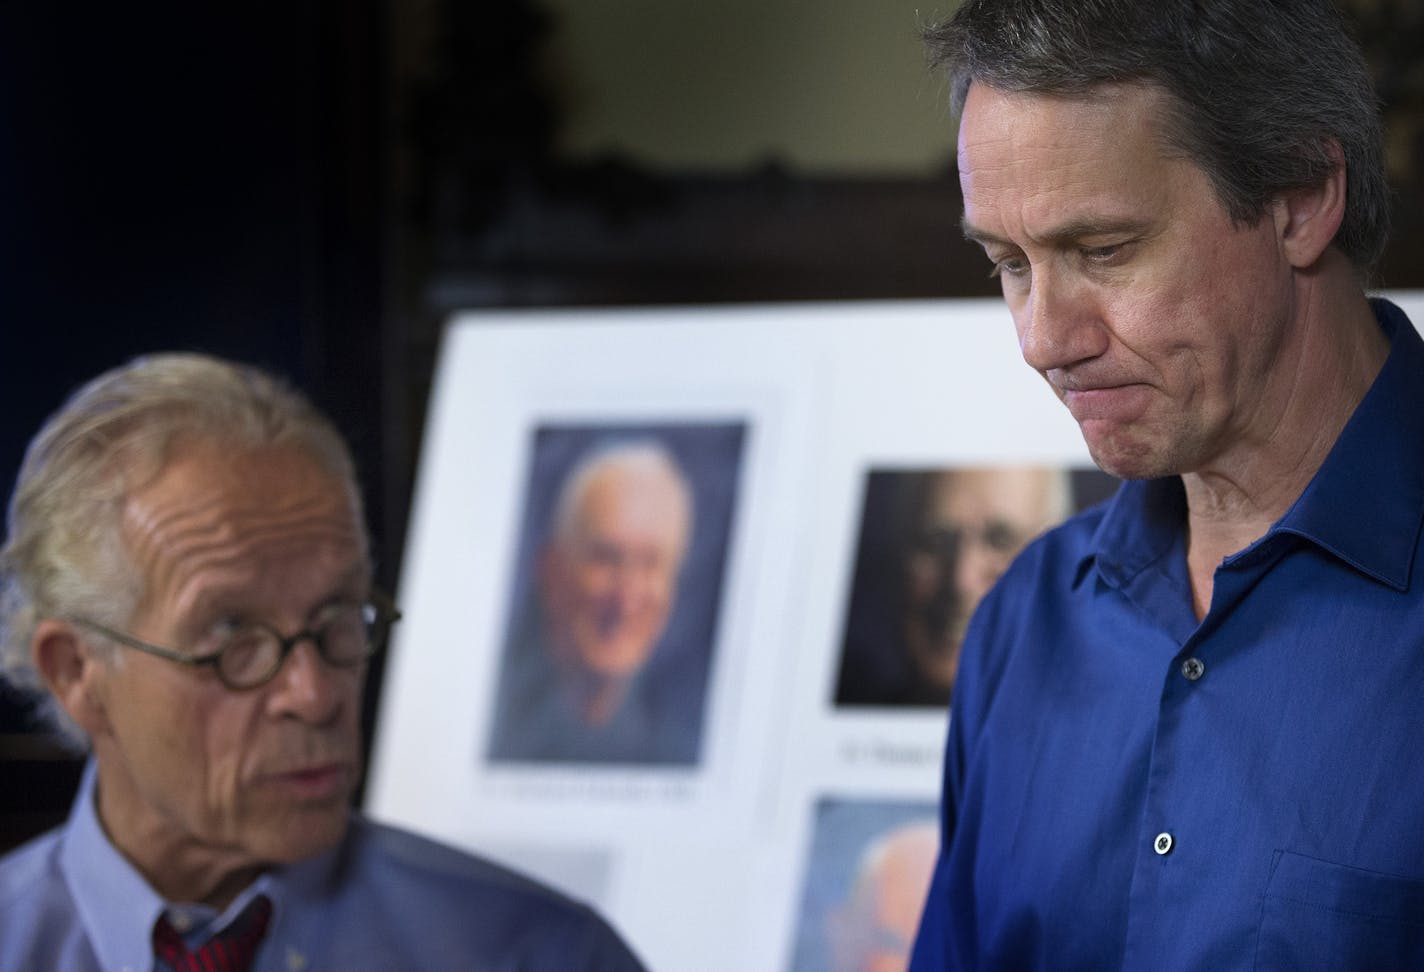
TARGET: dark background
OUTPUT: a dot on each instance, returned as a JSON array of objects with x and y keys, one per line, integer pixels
[{"x": 259, "y": 181}]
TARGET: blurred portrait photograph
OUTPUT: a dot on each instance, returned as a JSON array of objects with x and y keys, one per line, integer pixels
[
  {"x": 614, "y": 604},
  {"x": 866, "y": 877},
  {"x": 932, "y": 542}
]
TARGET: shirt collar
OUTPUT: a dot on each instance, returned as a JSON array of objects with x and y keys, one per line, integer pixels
[
  {"x": 1365, "y": 504},
  {"x": 117, "y": 906},
  {"x": 114, "y": 902},
  {"x": 1142, "y": 525}
]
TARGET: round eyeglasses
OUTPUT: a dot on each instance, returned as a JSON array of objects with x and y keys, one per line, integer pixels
[{"x": 345, "y": 634}]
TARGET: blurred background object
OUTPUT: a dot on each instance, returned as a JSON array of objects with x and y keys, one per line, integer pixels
[{"x": 316, "y": 186}]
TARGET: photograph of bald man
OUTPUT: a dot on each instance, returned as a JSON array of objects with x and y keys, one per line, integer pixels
[
  {"x": 866, "y": 878},
  {"x": 610, "y": 641}
]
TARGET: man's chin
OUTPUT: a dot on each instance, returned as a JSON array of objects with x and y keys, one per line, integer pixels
[
  {"x": 1126, "y": 457},
  {"x": 303, "y": 836},
  {"x": 937, "y": 658},
  {"x": 614, "y": 661}
]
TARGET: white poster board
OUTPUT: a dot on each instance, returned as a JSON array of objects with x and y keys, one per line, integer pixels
[{"x": 701, "y": 854}]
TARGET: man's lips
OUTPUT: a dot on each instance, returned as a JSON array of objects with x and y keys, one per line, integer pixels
[
  {"x": 1105, "y": 401},
  {"x": 315, "y": 781}
]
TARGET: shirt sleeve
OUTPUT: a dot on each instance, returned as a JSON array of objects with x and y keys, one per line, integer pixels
[{"x": 600, "y": 950}]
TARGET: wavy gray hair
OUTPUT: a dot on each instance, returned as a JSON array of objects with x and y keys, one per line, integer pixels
[
  {"x": 64, "y": 554},
  {"x": 1257, "y": 89}
]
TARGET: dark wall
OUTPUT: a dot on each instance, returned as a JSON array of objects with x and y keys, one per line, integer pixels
[{"x": 198, "y": 176}]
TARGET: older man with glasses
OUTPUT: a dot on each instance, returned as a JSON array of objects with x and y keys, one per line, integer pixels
[{"x": 187, "y": 582}]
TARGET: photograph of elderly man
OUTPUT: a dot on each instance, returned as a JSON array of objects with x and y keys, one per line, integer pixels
[
  {"x": 932, "y": 543},
  {"x": 616, "y": 595},
  {"x": 866, "y": 877}
]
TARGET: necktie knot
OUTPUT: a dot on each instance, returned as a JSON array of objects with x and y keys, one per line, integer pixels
[{"x": 231, "y": 950}]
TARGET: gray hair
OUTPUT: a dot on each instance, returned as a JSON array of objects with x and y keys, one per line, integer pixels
[
  {"x": 64, "y": 554},
  {"x": 643, "y": 456},
  {"x": 1257, "y": 88}
]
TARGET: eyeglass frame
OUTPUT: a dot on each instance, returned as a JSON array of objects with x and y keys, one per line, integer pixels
[{"x": 387, "y": 614}]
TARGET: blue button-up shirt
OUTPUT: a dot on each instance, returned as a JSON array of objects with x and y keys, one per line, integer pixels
[
  {"x": 1127, "y": 787},
  {"x": 383, "y": 900}
]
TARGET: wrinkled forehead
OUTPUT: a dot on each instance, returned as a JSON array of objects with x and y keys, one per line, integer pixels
[
  {"x": 1005, "y": 135},
  {"x": 212, "y": 507}
]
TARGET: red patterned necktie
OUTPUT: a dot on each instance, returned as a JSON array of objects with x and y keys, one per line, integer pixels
[{"x": 230, "y": 950}]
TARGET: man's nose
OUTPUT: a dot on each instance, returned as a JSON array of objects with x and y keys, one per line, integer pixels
[
  {"x": 1058, "y": 321},
  {"x": 630, "y": 586},
  {"x": 307, "y": 687}
]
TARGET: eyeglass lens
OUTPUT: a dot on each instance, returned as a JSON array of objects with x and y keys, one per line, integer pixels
[{"x": 344, "y": 634}]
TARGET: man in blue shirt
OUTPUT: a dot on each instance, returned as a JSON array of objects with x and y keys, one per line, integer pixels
[
  {"x": 187, "y": 578},
  {"x": 1187, "y": 727}
]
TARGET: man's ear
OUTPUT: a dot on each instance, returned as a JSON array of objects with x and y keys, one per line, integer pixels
[
  {"x": 1308, "y": 218},
  {"x": 71, "y": 672}
]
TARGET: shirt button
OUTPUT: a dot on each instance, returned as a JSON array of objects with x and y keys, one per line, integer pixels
[
  {"x": 1163, "y": 844},
  {"x": 1193, "y": 669}
]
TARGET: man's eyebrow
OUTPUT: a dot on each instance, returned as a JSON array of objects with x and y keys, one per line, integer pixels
[
  {"x": 1067, "y": 234},
  {"x": 975, "y": 235}
]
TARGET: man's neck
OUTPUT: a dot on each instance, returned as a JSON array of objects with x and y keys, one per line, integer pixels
[
  {"x": 179, "y": 869},
  {"x": 1335, "y": 354},
  {"x": 596, "y": 698}
]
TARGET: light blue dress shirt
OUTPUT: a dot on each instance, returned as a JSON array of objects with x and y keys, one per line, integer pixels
[
  {"x": 383, "y": 900},
  {"x": 1128, "y": 788}
]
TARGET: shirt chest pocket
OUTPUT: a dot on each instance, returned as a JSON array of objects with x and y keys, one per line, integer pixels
[{"x": 1318, "y": 915}]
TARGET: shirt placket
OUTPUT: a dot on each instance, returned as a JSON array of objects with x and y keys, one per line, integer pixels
[{"x": 1174, "y": 856}]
